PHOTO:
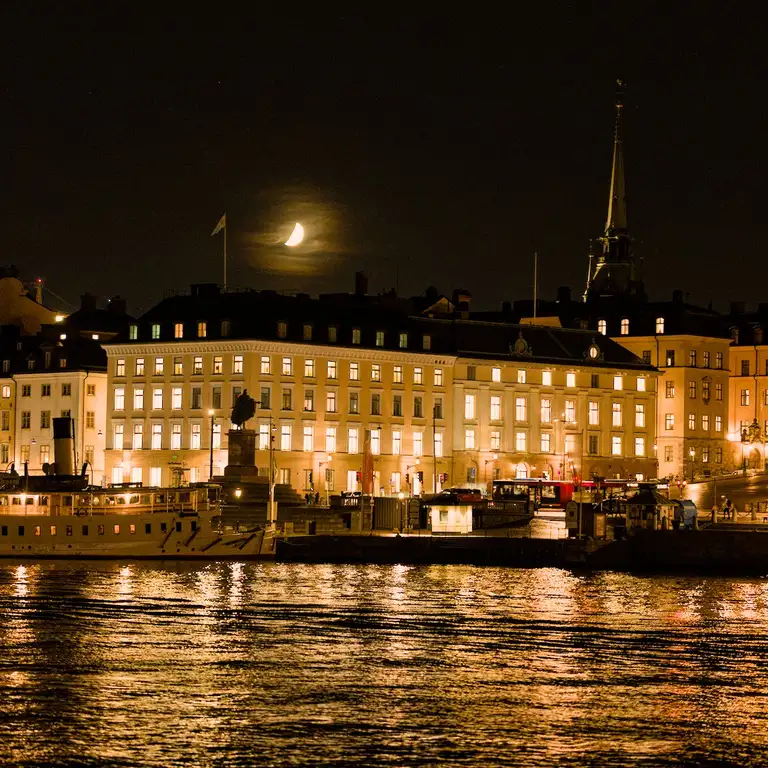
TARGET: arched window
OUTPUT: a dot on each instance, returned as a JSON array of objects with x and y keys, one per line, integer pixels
[
  {"x": 659, "y": 325},
  {"x": 625, "y": 326},
  {"x": 521, "y": 470},
  {"x": 601, "y": 328}
]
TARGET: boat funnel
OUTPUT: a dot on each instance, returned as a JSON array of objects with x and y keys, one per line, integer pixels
[{"x": 64, "y": 445}]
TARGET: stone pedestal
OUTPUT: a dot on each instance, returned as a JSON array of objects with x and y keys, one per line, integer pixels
[{"x": 242, "y": 453}]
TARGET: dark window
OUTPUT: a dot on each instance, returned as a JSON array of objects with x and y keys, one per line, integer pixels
[
  {"x": 5, "y": 530},
  {"x": 178, "y": 527},
  {"x": 69, "y": 530},
  {"x": 85, "y": 530},
  {"x": 21, "y": 530},
  {"x": 376, "y": 405},
  {"x": 647, "y": 356},
  {"x": 670, "y": 358},
  {"x": 595, "y": 381},
  {"x": 397, "y": 405},
  {"x": 745, "y": 367},
  {"x": 216, "y": 399},
  {"x": 438, "y": 409},
  {"x": 147, "y": 527},
  {"x": 592, "y": 449},
  {"x": 194, "y": 525},
  {"x": 163, "y": 527},
  {"x": 471, "y": 372},
  {"x": 418, "y": 408},
  {"x": 265, "y": 397},
  {"x": 197, "y": 398},
  {"x": 101, "y": 530}
]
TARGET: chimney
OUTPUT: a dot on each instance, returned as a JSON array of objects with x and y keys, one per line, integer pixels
[
  {"x": 64, "y": 445},
  {"x": 117, "y": 305},
  {"x": 563, "y": 295},
  {"x": 735, "y": 334},
  {"x": 461, "y": 299},
  {"x": 758, "y": 334},
  {"x": 677, "y": 297},
  {"x": 87, "y": 302},
  {"x": 738, "y": 307},
  {"x": 361, "y": 284}
]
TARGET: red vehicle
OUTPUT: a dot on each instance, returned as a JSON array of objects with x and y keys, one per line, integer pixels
[{"x": 542, "y": 493}]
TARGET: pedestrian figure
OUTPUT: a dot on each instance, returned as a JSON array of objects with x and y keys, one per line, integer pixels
[
  {"x": 306, "y": 499},
  {"x": 727, "y": 508},
  {"x": 317, "y": 498}
]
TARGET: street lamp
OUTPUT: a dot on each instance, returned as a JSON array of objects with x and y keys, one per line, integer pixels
[
  {"x": 211, "y": 413},
  {"x": 494, "y": 457},
  {"x": 692, "y": 454}
]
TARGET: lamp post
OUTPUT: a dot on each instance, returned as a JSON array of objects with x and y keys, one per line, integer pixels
[
  {"x": 692, "y": 454},
  {"x": 211, "y": 413},
  {"x": 327, "y": 460},
  {"x": 493, "y": 459}
]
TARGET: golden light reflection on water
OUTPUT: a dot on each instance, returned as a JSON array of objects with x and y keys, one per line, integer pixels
[{"x": 164, "y": 664}]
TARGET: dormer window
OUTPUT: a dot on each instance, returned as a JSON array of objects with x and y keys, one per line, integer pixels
[
  {"x": 202, "y": 329},
  {"x": 332, "y": 334},
  {"x": 282, "y": 330},
  {"x": 155, "y": 330},
  {"x": 659, "y": 325},
  {"x": 133, "y": 332},
  {"x": 403, "y": 341},
  {"x": 602, "y": 327},
  {"x": 379, "y": 338},
  {"x": 178, "y": 331},
  {"x": 306, "y": 332},
  {"x": 625, "y": 326},
  {"x": 226, "y": 328}
]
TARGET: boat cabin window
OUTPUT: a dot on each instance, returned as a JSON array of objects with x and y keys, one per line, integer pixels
[
  {"x": 29, "y": 501},
  {"x": 159, "y": 498},
  {"x": 5, "y": 530},
  {"x": 43, "y": 501},
  {"x": 85, "y": 530},
  {"x": 184, "y": 497},
  {"x": 178, "y": 527},
  {"x": 53, "y": 530},
  {"x": 67, "y": 501},
  {"x": 3, "y": 501},
  {"x": 116, "y": 528},
  {"x": 164, "y": 527},
  {"x": 134, "y": 499},
  {"x": 145, "y": 498},
  {"x": 120, "y": 500},
  {"x": 38, "y": 530},
  {"x": 147, "y": 527},
  {"x": 69, "y": 530},
  {"x": 101, "y": 530},
  {"x": 15, "y": 500},
  {"x": 21, "y": 530}
]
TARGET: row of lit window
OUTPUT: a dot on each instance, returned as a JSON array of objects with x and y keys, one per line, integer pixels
[
  {"x": 670, "y": 357},
  {"x": 130, "y": 528},
  {"x": 178, "y": 366},
  {"x": 669, "y": 422},
  {"x": 706, "y": 389},
  {"x": 569, "y": 415},
  {"x": 44, "y": 454},
  {"x": 156, "y": 438},
  {"x": 602, "y": 326},
  {"x": 46, "y": 361},
  {"x": 746, "y": 396},
  {"x": 669, "y": 454},
  {"x": 307, "y": 331},
  {"x": 547, "y": 378},
  {"x": 546, "y": 443},
  {"x": 45, "y": 419}
]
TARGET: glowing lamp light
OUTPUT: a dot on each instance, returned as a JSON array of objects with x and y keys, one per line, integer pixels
[
  {"x": 59, "y": 318},
  {"x": 238, "y": 492}
]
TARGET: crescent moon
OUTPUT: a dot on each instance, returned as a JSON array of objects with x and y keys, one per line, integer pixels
[{"x": 296, "y": 236}]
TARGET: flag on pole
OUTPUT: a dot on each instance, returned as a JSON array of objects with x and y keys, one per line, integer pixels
[
  {"x": 367, "y": 464},
  {"x": 221, "y": 225}
]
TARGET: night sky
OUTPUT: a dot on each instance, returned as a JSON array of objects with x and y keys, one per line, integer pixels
[{"x": 422, "y": 148}]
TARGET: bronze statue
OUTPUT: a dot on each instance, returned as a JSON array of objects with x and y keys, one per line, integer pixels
[{"x": 243, "y": 409}]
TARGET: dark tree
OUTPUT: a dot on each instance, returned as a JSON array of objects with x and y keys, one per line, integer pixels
[{"x": 244, "y": 409}]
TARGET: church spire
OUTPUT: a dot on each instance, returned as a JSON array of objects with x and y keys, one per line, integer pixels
[
  {"x": 614, "y": 267},
  {"x": 617, "y": 204}
]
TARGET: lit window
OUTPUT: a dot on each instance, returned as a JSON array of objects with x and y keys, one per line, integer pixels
[
  {"x": 287, "y": 366},
  {"x": 469, "y": 439},
  {"x": 616, "y": 411},
  {"x": 546, "y": 440},
  {"x": 354, "y": 372},
  {"x": 418, "y": 444},
  {"x": 403, "y": 341},
  {"x": 263, "y": 437},
  {"x": 159, "y": 366},
  {"x": 309, "y": 369},
  {"x": 379, "y": 338},
  {"x": 178, "y": 331},
  {"x": 691, "y": 421},
  {"x": 355, "y": 335},
  {"x": 195, "y": 437},
  {"x": 218, "y": 365},
  {"x": 594, "y": 413},
  {"x": 570, "y": 444},
  {"x": 570, "y": 411},
  {"x": 397, "y": 438},
  {"x": 546, "y": 378},
  {"x": 495, "y": 408},
  {"x": 202, "y": 329},
  {"x": 495, "y": 374},
  {"x": 616, "y": 445},
  {"x": 117, "y": 442},
  {"x": 718, "y": 360},
  {"x": 546, "y": 410},
  {"x": 120, "y": 367},
  {"x": 495, "y": 440},
  {"x": 330, "y": 439},
  {"x": 266, "y": 365},
  {"x": 601, "y": 327},
  {"x": 625, "y": 326},
  {"x": 119, "y": 399},
  {"x": 178, "y": 366},
  {"x": 522, "y": 376},
  {"x": 331, "y": 370},
  {"x": 157, "y": 399},
  {"x": 438, "y": 439},
  {"x": 659, "y": 325},
  {"x": 669, "y": 421},
  {"x": 176, "y": 437},
  {"x": 309, "y": 438},
  {"x": 285, "y": 437},
  {"x": 618, "y": 382},
  {"x": 138, "y": 399},
  {"x": 353, "y": 440},
  {"x": 375, "y": 442},
  {"x": 521, "y": 409},
  {"x": 375, "y": 372},
  {"x": 641, "y": 383},
  {"x": 521, "y": 441},
  {"x": 438, "y": 377},
  {"x": 469, "y": 406},
  {"x": 744, "y": 400},
  {"x": 718, "y": 423},
  {"x": 705, "y": 422},
  {"x": 639, "y": 446},
  {"x": 397, "y": 374},
  {"x": 418, "y": 376},
  {"x": 570, "y": 379},
  {"x": 176, "y": 398},
  {"x": 426, "y": 342},
  {"x": 330, "y": 402},
  {"x": 309, "y": 400},
  {"x": 157, "y": 437},
  {"x": 197, "y": 366},
  {"x": 155, "y": 331},
  {"x": 640, "y": 414}
]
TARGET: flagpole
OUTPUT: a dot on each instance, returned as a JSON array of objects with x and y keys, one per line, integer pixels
[{"x": 225, "y": 257}]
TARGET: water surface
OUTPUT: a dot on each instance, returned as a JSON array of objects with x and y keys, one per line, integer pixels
[{"x": 306, "y": 665}]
